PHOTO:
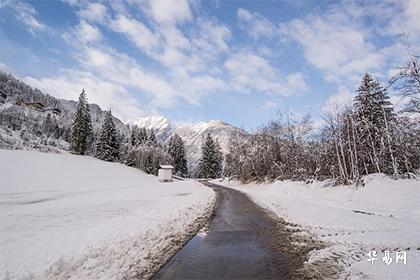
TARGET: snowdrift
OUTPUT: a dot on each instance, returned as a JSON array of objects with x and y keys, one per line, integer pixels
[{"x": 66, "y": 216}]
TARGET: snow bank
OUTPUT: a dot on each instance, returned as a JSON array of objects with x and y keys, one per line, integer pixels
[
  {"x": 76, "y": 217},
  {"x": 383, "y": 215}
]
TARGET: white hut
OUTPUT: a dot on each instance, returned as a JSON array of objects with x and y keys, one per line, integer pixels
[{"x": 165, "y": 173}]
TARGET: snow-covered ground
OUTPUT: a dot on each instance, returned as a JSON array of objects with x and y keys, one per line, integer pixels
[
  {"x": 383, "y": 215},
  {"x": 65, "y": 216}
]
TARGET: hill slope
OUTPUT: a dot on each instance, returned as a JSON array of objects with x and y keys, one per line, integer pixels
[{"x": 82, "y": 218}]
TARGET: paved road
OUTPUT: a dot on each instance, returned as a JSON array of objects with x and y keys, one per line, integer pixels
[{"x": 242, "y": 241}]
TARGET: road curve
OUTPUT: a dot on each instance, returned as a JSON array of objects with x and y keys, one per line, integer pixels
[{"x": 242, "y": 241}]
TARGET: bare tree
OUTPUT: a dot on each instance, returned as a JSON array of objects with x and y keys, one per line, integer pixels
[{"x": 407, "y": 80}]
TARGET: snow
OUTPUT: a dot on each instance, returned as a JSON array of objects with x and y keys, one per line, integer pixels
[
  {"x": 201, "y": 127},
  {"x": 76, "y": 217},
  {"x": 339, "y": 217},
  {"x": 152, "y": 122},
  {"x": 193, "y": 135}
]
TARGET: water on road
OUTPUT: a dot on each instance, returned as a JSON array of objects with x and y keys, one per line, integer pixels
[{"x": 242, "y": 241}]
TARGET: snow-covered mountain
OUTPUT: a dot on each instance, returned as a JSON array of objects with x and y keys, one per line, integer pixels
[
  {"x": 161, "y": 125},
  {"x": 193, "y": 135},
  {"x": 22, "y": 127}
]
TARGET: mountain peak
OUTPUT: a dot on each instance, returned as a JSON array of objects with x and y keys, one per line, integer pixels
[
  {"x": 202, "y": 126},
  {"x": 152, "y": 122}
]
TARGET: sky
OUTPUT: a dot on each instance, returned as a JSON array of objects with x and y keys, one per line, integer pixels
[{"x": 239, "y": 61}]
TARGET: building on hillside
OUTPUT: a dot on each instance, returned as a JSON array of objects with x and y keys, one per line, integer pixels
[
  {"x": 36, "y": 105},
  {"x": 55, "y": 111},
  {"x": 165, "y": 173},
  {"x": 33, "y": 105}
]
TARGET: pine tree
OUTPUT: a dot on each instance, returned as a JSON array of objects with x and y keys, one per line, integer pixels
[
  {"x": 211, "y": 159},
  {"x": 127, "y": 155},
  {"x": 82, "y": 126},
  {"x": 177, "y": 151},
  {"x": 151, "y": 140},
  {"x": 48, "y": 125},
  {"x": 134, "y": 136},
  {"x": 107, "y": 147},
  {"x": 142, "y": 136},
  {"x": 149, "y": 164},
  {"x": 218, "y": 159},
  {"x": 374, "y": 119}
]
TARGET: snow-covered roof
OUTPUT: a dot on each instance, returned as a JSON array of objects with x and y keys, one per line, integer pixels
[{"x": 166, "y": 166}]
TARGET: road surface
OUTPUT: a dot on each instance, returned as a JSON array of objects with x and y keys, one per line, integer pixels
[{"x": 242, "y": 241}]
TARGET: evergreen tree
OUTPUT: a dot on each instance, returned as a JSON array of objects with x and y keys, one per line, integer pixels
[
  {"x": 211, "y": 159},
  {"x": 218, "y": 159},
  {"x": 142, "y": 136},
  {"x": 127, "y": 154},
  {"x": 48, "y": 125},
  {"x": 82, "y": 126},
  {"x": 149, "y": 164},
  {"x": 151, "y": 140},
  {"x": 177, "y": 151},
  {"x": 134, "y": 136},
  {"x": 372, "y": 102},
  {"x": 107, "y": 147},
  {"x": 374, "y": 121}
]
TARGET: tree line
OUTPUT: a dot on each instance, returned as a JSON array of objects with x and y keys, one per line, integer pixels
[
  {"x": 140, "y": 148},
  {"x": 365, "y": 137}
]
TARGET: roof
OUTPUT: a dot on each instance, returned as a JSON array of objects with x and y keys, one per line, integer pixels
[
  {"x": 53, "y": 109},
  {"x": 166, "y": 166},
  {"x": 34, "y": 103}
]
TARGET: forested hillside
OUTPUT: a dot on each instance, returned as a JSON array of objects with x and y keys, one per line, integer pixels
[
  {"x": 30, "y": 119},
  {"x": 26, "y": 127}
]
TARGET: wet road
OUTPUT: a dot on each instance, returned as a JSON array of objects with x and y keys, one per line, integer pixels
[{"x": 242, "y": 241}]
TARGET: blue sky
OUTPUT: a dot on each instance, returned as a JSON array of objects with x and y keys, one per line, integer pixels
[{"x": 240, "y": 61}]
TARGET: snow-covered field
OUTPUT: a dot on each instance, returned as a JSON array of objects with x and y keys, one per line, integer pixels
[
  {"x": 65, "y": 216},
  {"x": 383, "y": 215}
]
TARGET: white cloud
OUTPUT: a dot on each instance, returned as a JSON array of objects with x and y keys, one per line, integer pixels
[
  {"x": 341, "y": 40},
  {"x": 137, "y": 32},
  {"x": 110, "y": 78},
  {"x": 212, "y": 38},
  {"x": 190, "y": 56},
  {"x": 94, "y": 12},
  {"x": 25, "y": 13},
  {"x": 270, "y": 104},
  {"x": 336, "y": 44},
  {"x": 249, "y": 72},
  {"x": 168, "y": 12},
  {"x": 256, "y": 25},
  {"x": 125, "y": 71},
  {"x": 3, "y": 67},
  {"x": 106, "y": 94},
  {"x": 407, "y": 21},
  {"x": 87, "y": 33},
  {"x": 339, "y": 102}
]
